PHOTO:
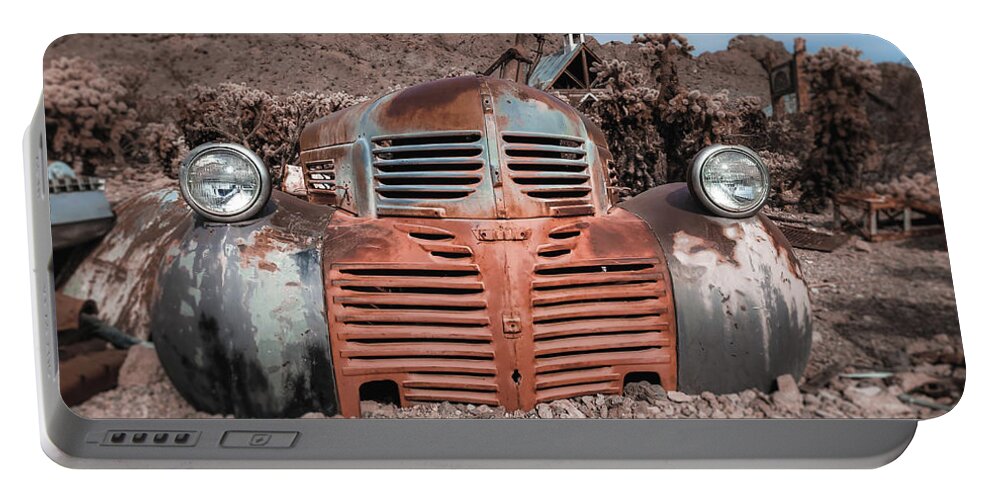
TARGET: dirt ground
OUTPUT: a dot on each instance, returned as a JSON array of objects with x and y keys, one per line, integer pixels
[{"x": 886, "y": 344}]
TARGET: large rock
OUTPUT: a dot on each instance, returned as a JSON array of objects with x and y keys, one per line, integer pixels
[
  {"x": 141, "y": 368},
  {"x": 876, "y": 401},
  {"x": 566, "y": 409},
  {"x": 544, "y": 411},
  {"x": 788, "y": 396}
]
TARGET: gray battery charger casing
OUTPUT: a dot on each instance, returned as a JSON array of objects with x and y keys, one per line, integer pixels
[{"x": 73, "y": 441}]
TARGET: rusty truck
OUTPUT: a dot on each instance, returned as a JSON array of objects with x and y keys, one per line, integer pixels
[{"x": 461, "y": 240}]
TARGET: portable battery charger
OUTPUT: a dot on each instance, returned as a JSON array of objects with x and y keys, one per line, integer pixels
[{"x": 486, "y": 251}]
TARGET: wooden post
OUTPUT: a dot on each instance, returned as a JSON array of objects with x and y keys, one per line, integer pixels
[
  {"x": 513, "y": 70},
  {"x": 778, "y": 103},
  {"x": 873, "y": 222},
  {"x": 802, "y": 85}
]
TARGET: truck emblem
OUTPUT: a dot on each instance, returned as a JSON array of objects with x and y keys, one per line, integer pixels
[{"x": 502, "y": 233}]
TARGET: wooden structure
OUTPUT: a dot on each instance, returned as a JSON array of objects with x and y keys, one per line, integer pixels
[
  {"x": 787, "y": 82},
  {"x": 516, "y": 63},
  {"x": 565, "y": 73},
  {"x": 881, "y": 218}
]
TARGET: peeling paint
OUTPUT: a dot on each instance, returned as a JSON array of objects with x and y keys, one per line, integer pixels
[{"x": 742, "y": 306}]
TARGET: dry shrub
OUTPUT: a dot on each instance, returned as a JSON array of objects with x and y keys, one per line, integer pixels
[
  {"x": 784, "y": 173},
  {"x": 267, "y": 124},
  {"x": 660, "y": 51},
  {"x": 454, "y": 72},
  {"x": 843, "y": 145},
  {"x": 627, "y": 116},
  {"x": 162, "y": 145},
  {"x": 694, "y": 120},
  {"x": 90, "y": 114},
  {"x": 791, "y": 135}
]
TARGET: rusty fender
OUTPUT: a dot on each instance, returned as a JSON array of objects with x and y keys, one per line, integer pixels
[
  {"x": 239, "y": 321},
  {"x": 121, "y": 273},
  {"x": 742, "y": 308}
]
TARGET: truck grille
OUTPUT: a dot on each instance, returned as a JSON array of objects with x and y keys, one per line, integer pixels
[
  {"x": 427, "y": 321},
  {"x": 432, "y": 170},
  {"x": 552, "y": 170},
  {"x": 508, "y": 313},
  {"x": 592, "y": 315}
]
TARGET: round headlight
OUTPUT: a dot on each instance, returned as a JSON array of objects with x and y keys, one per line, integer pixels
[
  {"x": 731, "y": 181},
  {"x": 224, "y": 182}
]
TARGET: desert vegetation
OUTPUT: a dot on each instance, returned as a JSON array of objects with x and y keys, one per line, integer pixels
[
  {"x": 865, "y": 126},
  {"x": 94, "y": 119}
]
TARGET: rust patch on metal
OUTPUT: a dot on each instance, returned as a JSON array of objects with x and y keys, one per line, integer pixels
[
  {"x": 340, "y": 127},
  {"x": 783, "y": 247},
  {"x": 451, "y": 103},
  {"x": 122, "y": 273},
  {"x": 503, "y": 323}
]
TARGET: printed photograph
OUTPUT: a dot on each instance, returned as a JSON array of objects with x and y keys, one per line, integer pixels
[{"x": 592, "y": 225}]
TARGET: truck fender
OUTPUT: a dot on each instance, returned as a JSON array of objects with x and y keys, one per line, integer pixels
[{"x": 743, "y": 311}]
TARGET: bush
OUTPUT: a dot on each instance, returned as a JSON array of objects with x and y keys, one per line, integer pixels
[
  {"x": 163, "y": 146},
  {"x": 268, "y": 125},
  {"x": 784, "y": 173},
  {"x": 90, "y": 114},
  {"x": 627, "y": 116},
  {"x": 694, "y": 120},
  {"x": 843, "y": 146}
]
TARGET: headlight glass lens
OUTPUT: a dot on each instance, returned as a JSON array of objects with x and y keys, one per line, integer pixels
[
  {"x": 734, "y": 181},
  {"x": 223, "y": 182}
]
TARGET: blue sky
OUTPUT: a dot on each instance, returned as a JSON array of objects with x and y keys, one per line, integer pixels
[{"x": 873, "y": 48}]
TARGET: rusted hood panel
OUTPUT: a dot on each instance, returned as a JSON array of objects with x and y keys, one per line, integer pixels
[{"x": 467, "y": 147}]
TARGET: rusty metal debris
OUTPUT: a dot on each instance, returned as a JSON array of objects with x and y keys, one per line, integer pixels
[
  {"x": 867, "y": 375},
  {"x": 907, "y": 398},
  {"x": 810, "y": 239},
  {"x": 82, "y": 376}
]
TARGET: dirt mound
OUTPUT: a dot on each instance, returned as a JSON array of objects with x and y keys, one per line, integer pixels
[{"x": 282, "y": 64}]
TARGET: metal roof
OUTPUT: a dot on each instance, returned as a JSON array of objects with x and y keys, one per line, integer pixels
[{"x": 550, "y": 67}]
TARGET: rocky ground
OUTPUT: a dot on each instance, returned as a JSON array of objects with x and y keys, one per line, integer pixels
[{"x": 886, "y": 344}]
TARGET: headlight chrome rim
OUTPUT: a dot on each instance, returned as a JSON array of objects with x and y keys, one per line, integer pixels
[
  {"x": 695, "y": 180},
  {"x": 257, "y": 203}
]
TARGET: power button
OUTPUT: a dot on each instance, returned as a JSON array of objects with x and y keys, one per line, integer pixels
[{"x": 258, "y": 439}]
